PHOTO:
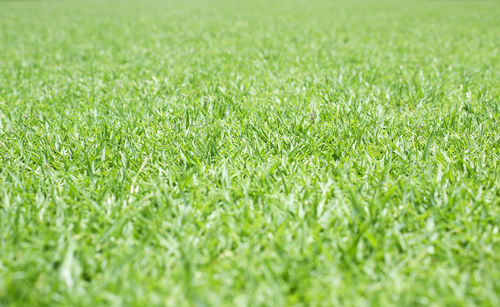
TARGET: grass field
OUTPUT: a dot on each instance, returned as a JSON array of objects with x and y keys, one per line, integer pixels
[{"x": 260, "y": 153}]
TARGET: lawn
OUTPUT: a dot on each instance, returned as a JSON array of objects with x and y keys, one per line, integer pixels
[{"x": 249, "y": 153}]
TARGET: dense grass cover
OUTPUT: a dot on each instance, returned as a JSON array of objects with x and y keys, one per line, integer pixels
[{"x": 256, "y": 153}]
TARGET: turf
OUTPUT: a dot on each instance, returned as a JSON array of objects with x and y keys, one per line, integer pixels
[{"x": 257, "y": 153}]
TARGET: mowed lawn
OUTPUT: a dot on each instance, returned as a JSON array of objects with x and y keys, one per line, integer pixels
[{"x": 255, "y": 153}]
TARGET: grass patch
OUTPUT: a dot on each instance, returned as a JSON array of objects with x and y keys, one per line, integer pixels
[{"x": 256, "y": 153}]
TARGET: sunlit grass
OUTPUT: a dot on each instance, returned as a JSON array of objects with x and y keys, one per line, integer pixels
[{"x": 257, "y": 153}]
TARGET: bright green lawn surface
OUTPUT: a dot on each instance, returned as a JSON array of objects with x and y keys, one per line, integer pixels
[{"x": 261, "y": 153}]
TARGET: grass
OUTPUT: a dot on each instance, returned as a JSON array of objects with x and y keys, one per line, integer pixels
[{"x": 216, "y": 153}]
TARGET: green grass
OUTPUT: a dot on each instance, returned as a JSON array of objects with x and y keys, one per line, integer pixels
[{"x": 249, "y": 153}]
